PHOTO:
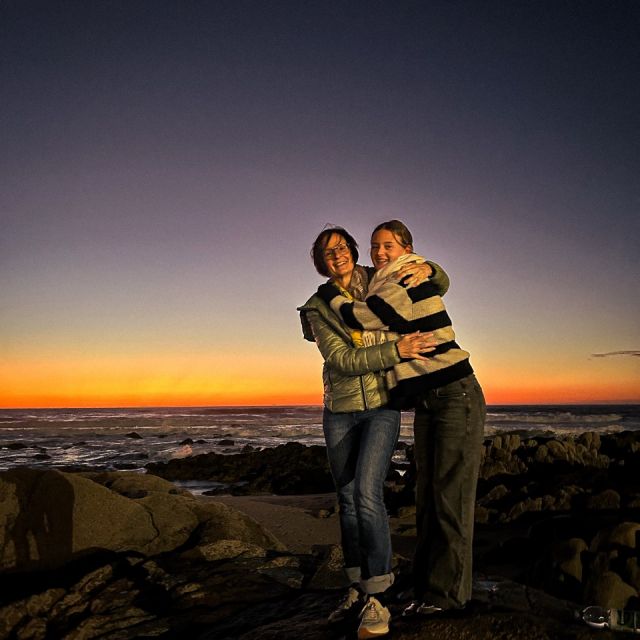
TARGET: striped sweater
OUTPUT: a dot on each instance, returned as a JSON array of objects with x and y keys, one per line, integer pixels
[{"x": 391, "y": 307}]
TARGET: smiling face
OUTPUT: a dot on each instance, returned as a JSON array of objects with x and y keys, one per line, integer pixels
[
  {"x": 338, "y": 258},
  {"x": 385, "y": 248}
]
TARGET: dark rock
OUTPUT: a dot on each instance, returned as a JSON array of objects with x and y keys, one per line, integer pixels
[
  {"x": 608, "y": 499},
  {"x": 61, "y": 586},
  {"x": 186, "y": 441},
  {"x": 330, "y": 568},
  {"x": 15, "y": 446},
  {"x": 134, "y": 435},
  {"x": 226, "y": 442},
  {"x": 609, "y": 590},
  {"x": 287, "y": 469}
]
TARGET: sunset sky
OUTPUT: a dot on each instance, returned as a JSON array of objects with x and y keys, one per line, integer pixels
[{"x": 166, "y": 165}]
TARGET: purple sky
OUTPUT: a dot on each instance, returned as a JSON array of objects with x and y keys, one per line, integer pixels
[{"x": 165, "y": 166}]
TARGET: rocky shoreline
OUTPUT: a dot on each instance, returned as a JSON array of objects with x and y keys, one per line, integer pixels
[{"x": 122, "y": 555}]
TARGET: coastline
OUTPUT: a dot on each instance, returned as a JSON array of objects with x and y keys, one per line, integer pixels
[{"x": 130, "y": 438}]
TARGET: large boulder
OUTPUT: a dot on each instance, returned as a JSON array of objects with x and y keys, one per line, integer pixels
[
  {"x": 221, "y": 522},
  {"x": 49, "y": 518}
]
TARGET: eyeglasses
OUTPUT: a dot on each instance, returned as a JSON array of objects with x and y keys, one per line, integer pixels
[{"x": 339, "y": 250}]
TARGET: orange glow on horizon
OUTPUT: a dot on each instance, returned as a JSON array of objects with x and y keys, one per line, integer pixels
[
  {"x": 495, "y": 396},
  {"x": 268, "y": 380},
  {"x": 154, "y": 382}
]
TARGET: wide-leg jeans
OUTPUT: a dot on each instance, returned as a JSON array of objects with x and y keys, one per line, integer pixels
[
  {"x": 448, "y": 438},
  {"x": 359, "y": 448}
]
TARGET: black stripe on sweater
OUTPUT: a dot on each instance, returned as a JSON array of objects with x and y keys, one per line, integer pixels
[
  {"x": 346, "y": 310},
  {"x": 413, "y": 387},
  {"x": 422, "y": 291},
  {"x": 392, "y": 319}
]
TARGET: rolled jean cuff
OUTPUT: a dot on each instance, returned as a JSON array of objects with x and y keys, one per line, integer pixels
[
  {"x": 377, "y": 584},
  {"x": 353, "y": 574}
]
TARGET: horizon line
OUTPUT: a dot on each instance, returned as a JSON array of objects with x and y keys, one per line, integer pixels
[{"x": 318, "y": 405}]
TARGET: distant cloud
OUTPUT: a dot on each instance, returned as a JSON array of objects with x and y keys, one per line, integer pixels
[{"x": 632, "y": 353}]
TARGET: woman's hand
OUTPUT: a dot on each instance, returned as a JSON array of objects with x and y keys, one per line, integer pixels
[
  {"x": 414, "y": 344},
  {"x": 415, "y": 273}
]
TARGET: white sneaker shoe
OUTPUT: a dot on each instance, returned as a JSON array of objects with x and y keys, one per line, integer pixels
[
  {"x": 374, "y": 620},
  {"x": 351, "y": 602}
]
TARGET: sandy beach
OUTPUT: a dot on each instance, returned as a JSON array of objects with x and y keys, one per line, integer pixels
[
  {"x": 299, "y": 522},
  {"x": 302, "y": 522}
]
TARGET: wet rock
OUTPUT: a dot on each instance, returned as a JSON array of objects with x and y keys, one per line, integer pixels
[{"x": 287, "y": 469}]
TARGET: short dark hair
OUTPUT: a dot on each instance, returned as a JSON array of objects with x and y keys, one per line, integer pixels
[
  {"x": 317, "y": 250},
  {"x": 399, "y": 230}
]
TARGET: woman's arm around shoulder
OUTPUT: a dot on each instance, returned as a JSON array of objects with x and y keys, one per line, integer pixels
[{"x": 439, "y": 278}]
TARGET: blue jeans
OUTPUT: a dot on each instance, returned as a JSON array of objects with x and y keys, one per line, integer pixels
[{"x": 359, "y": 448}]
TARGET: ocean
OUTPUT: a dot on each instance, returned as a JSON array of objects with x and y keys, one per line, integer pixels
[{"x": 130, "y": 438}]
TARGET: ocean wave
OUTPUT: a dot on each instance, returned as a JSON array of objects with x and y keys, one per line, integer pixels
[
  {"x": 552, "y": 431},
  {"x": 554, "y": 418}
]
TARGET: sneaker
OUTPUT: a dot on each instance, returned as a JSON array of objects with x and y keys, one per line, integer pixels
[
  {"x": 418, "y": 608},
  {"x": 348, "y": 606},
  {"x": 374, "y": 620}
]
